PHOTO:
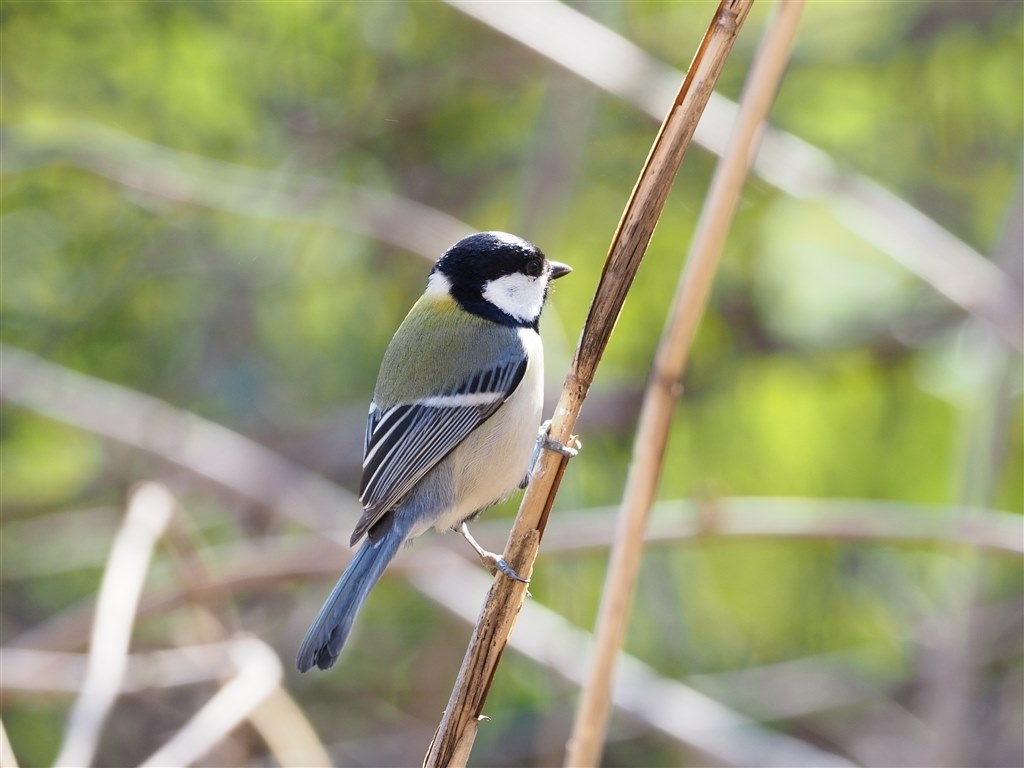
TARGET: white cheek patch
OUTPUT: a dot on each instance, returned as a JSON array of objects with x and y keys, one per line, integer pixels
[
  {"x": 438, "y": 285},
  {"x": 518, "y": 295}
]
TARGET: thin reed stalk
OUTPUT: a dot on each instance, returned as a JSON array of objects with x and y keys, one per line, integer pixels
[
  {"x": 590, "y": 727},
  {"x": 456, "y": 733},
  {"x": 149, "y": 512}
]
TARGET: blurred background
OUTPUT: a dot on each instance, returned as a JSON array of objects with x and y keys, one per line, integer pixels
[{"x": 215, "y": 215}]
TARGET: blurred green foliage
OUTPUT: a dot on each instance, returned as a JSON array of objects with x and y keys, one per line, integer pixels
[{"x": 823, "y": 369}]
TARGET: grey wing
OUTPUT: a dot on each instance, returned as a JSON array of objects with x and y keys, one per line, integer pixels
[{"x": 407, "y": 440}]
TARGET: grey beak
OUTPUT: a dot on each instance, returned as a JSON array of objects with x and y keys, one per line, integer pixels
[{"x": 559, "y": 270}]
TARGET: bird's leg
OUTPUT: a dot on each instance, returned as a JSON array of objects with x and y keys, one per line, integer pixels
[
  {"x": 492, "y": 561},
  {"x": 544, "y": 440}
]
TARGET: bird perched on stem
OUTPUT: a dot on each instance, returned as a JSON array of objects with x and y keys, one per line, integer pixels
[{"x": 454, "y": 418}]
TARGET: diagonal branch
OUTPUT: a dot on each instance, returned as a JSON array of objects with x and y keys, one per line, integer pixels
[
  {"x": 202, "y": 447},
  {"x": 663, "y": 387},
  {"x": 798, "y": 168},
  {"x": 7, "y": 757},
  {"x": 169, "y": 174},
  {"x": 455, "y": 735}
]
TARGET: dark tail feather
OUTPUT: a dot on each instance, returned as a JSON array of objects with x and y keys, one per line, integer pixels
[{"x": 332, "y": 625}]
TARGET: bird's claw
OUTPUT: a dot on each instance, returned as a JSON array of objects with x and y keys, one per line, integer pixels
[
  {"x": 491, "y": 561},
  {"x": 495, "y": 563},
  {"x": 546, "y": 441}
]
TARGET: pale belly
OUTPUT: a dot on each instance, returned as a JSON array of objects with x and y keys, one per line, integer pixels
[{"x": 493, "y": 460}]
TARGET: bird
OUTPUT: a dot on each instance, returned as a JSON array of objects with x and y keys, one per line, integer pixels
[{"x": 453, "y": 425}]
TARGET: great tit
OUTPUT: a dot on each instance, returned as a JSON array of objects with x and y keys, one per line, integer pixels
[{"x": 454, "y": 418}]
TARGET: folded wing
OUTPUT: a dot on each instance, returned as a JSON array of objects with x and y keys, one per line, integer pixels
[{"x": 405, "y": 441}]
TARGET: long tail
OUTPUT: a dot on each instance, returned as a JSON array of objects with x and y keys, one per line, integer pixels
[{"x": 332, "y": 625}]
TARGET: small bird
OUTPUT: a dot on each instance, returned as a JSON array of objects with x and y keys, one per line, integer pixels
[{"x": 454, "y": 418}]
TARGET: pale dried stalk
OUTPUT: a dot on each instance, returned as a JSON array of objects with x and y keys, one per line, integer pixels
[
  {"x": 38, "y": 671},
  {"x": 204, "y": 448},
  {"x": 259, "y": 563},
  {"x": 590, "y": 727},
  {"x": 278, "y": 720},
  {"x": 263, "y": 565},
  {"x": 258, "y": 674},
  {"x": 288, "y": 733},
  {"x": 454, "y": 738},
  {"x": 787, "y": 162},
  {"x": 149, "y": 511},
  {"x": 951, "y": 670},
  {"x": 7, "y": 758},
  {"x": 162, "y": 172}
]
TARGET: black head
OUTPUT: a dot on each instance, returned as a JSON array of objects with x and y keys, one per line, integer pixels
[{"x": 498, "y": 276}]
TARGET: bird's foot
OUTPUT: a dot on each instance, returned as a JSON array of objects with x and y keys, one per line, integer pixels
[
  {"x": 495, "y": 563},
  {"x": 491, "y": 561},
  {"x": 545, "y": 440}
]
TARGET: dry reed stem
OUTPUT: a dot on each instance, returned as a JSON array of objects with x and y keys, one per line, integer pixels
[
  {"x": 31, "y": 670},
  {"x": 787, "y": 162},
  {"x": 454, "y": 738},
  {"x": 149, "y": 511},
  {"x": 289, "y": 735},
  {"x": 7, "y": 758},
  {"x": 204, "y": 448},
  {"x": 589, "y": 730},
  {"x": 951, "y": 672},
  {"x": 264, "y": 565},
  {"x": 265, "y": 560},
  {"x": 258, "y": 674},
  {"x": 165, "y": 173},
  {"x": 278, "y": 720}
]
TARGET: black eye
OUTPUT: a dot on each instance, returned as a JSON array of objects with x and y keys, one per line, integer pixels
[{"x": 534, "y": 267}]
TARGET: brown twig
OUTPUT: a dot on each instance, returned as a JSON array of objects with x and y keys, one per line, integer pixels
[
  {"x": 454, "y": 738},
  {"x": 587, "y": 741}
]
